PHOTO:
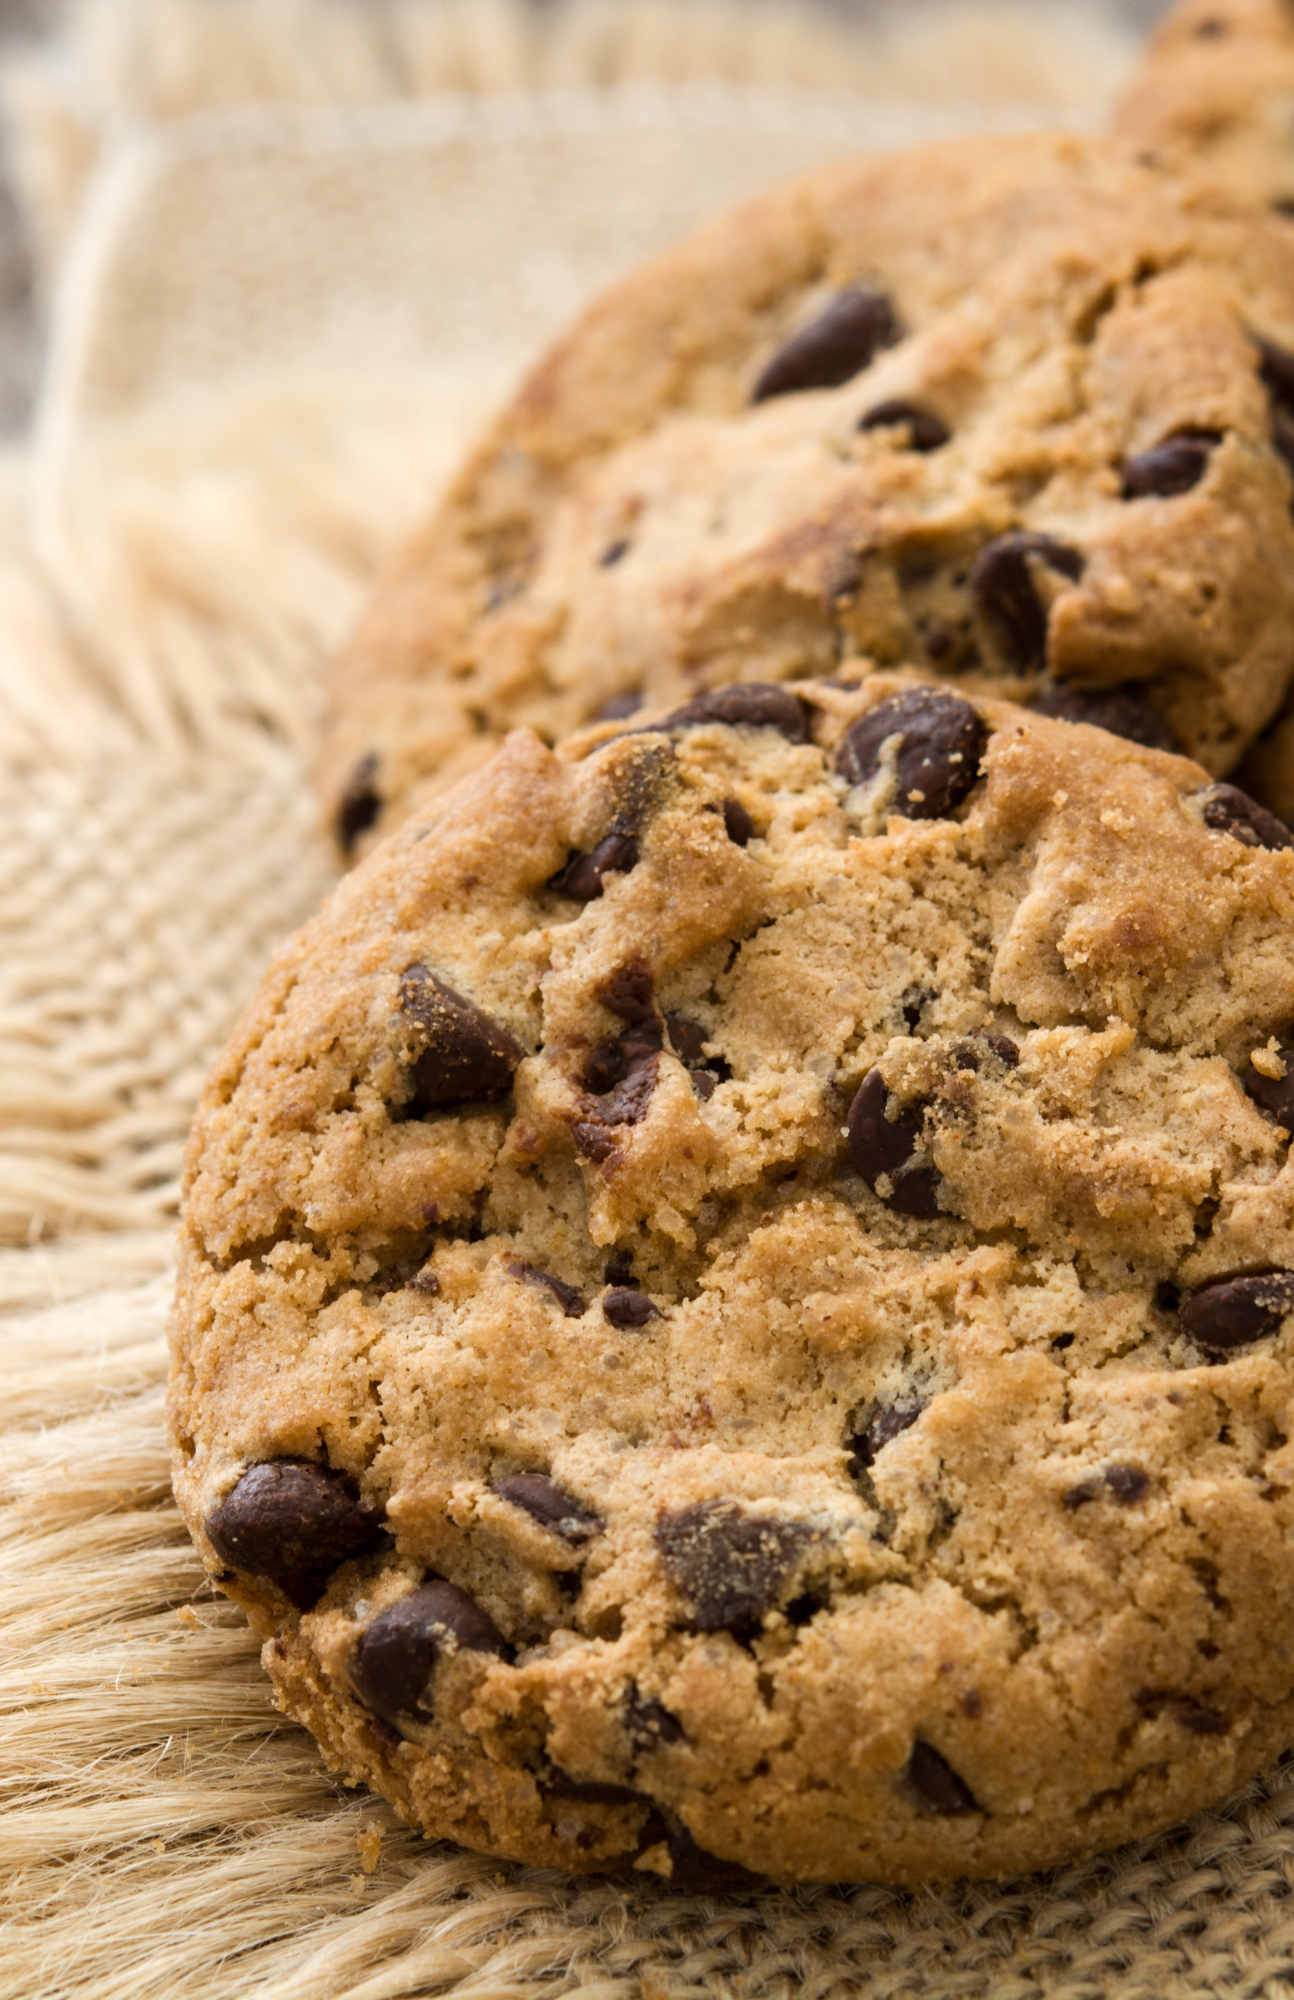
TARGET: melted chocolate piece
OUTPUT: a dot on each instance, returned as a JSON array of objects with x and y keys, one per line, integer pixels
[
  {"x": 628, "y": 992},
  {"x": 1274, "y": 1095},
  {"x": 546, "y": 1502},
  {"x": 464, "y": 1055},
  {"x": 1004, "y": 592},
  {"x": 1171, "y": 467},
  {"x": 1119, "y": 710},
  {"x": 937, "y": 762},
  {"x": 935, "y": 1779},
  {"x": 395, "y": 1656},
  {"x": 1229, "y": 810},
  {"x": 568, "y": 1297},
  {"x": 359, "y": 805},
  {"x": 834, "y": 347},
  {"x": 746, "y": 704},
  {"x": 926, "y": 431},
  {"x": 1234, "y": 1311},
  {"x": 293, "y": 1522},
  {"x": 878, "y": 1145},
  {"x": 730, "y": 1566},
  {"x": 582, "y": 877}
]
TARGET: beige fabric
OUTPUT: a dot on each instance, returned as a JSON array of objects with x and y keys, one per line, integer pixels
[{"x": 235, "y": 428}]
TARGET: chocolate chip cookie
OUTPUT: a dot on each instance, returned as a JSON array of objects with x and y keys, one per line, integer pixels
[
  {"x": 1009, "y": 411},
  {"x": 737, "y": 1299},
  {"x": 1213, "y": 96}
]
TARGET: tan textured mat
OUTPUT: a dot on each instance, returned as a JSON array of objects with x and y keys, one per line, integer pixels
[{"x": 174, "y": 564}]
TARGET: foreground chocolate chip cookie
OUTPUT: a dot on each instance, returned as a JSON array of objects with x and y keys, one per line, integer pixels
[
  {"x": 1213, "y": 95},
  {"x": 737, "y": 1306},
  {"x": 1007, "y": 410}
]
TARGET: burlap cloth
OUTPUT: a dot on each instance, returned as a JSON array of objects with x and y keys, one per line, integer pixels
[{"x": 291, "y": 252}]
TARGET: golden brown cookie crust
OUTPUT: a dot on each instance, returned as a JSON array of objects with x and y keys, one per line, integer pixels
[
  {"x": 904, "y": 1528},
  {"x": 634, "y": 527}
]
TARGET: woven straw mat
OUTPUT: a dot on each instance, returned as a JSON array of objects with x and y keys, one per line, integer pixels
[{"x": 274, "y": 323}]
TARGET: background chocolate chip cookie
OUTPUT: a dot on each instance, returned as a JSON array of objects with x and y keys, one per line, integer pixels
[
  {"x": 736, "y": 1303},
  {"x": 1011, "y": 411}
]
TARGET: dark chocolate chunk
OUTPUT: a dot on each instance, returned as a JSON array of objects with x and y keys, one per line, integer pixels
[
  {"x": 885, "y": 1423},
  {"x": 394, "y": 1658},
  {"x": 1119, "y": 710},
  {"x": 568, "y": 1297},
  {"x": 628, "y": 1309},
  {"x": 546, "y": 1502},
  {"x": 926, "y": 431},
  {"x": 1005, "y": 595},
  {"x": 746, "y": 704},
  {"x": 688, "y": 1038},
  {"x": 832, "y": 348},
  {"x": 737, "y": 823},
  {"x": 704, "y": 1084},
  {"x": 628, "y": 991},
  {"x": 1229, "y": 810},
  {"x": 1171, "y": 467},
  {"x": 1127, "y": 1483},
  {"x": 581, "y": 878},
  {"x": 1233, "y": 1311},
  {"x": 937, "y": 761},
  {"x": 697, "y": 1873},
  {"x": 935, "y": 1779},
  {"x": 730, "y": 1566},
  {"x": 879, "y": 1145},
  {"x": 293, "y": 1522},
  {"x": 1274, "y": 1094},
  {"x": 359, "y": 805},
  {"x": 619, "y": 706},
  {"x": 462, "y": 1055},
  {"x": 648, "y": 1724}
]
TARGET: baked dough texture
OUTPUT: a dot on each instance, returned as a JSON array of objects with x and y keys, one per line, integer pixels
[
  {"x": 1016, "y": 412},
  {"x": 735, "y": 1311}
]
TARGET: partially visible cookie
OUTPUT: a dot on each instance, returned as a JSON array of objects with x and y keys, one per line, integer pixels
[
  {"x": 1012, "y": 411},
  {"x": 737, "y": 1298},
  {"x": 1214, "y": 95}
]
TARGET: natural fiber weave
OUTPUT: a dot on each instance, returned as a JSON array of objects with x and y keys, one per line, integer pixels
[{"x": 165, "y": 608}]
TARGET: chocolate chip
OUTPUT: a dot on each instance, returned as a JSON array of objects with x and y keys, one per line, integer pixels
[
  {"x": 568, "y": 1297},
  {"x": 936, "y": 765},
  {"x": 697, "y": 1873},
  {"x": 394, "y": 1658},
  {"x": 1229, "y": 810},
  {"x": 1084, "y": 1490},
  {"x": 879, "y": 1145},
  {"x": 746, "y": 704},
  {"x": 1005, "y": 595},
  {"x": 628, "y": 1309},
  {"x": 619, "y": 706},
  {"x": 688, "y": 1037},
  {"x": 621, "y": 1075},
  {"x": 360, "y": 804},
  {"x": 935, "y": 1779},
  {"x": 1276, "y": 372},
  {"x": 546, "y": 1502},
  {"x": 1004, "y": 1049},
  {"x": 293, "y": 1522},
  {"x": 1117, "y": 710},
  {"x": 1233, "y": 1311},
  {"x": 926, "y": 431},
  {"x": 628, "y": 992},
  {"x": 885, "y": 1423},
  {"x": 832, "y": 348},
  {"x": 1127, "y": 1483},
  {"x": 610, "y": 556},
  {"x": 463, "y": 1055},
  {"x": 737, "y": 823},
  {"x": 1171, "y": 467},
  {"x": 730, "y": 1566},
  {"x": 1274, "y": 1094},
  {"x": 581, "y": 878},
  {"x": 648, "y": 1724}
]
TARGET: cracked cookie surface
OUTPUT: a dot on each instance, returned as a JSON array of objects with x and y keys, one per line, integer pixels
[
  {"x": 1010, "y": 411},
  {"x": 770, "y": 1353}
]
